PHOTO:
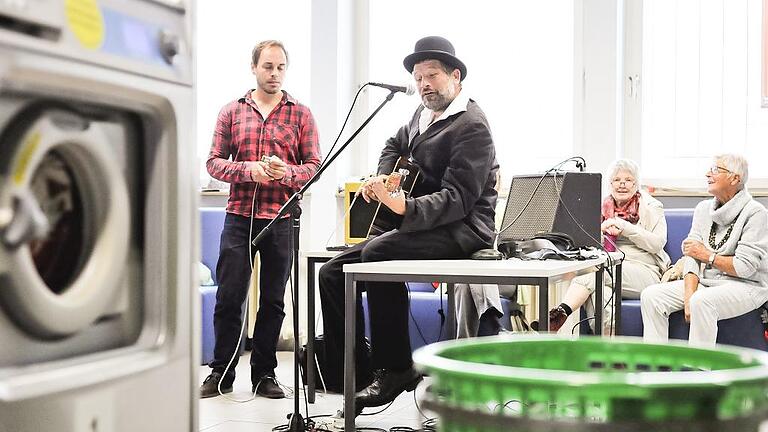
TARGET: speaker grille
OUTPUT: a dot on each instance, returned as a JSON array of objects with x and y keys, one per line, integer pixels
[{"x": 539, "y": 215}]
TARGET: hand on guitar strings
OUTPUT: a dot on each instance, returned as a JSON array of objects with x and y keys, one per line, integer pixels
[
  {"x": 395, "y": 202},
  {"x": 366, "y": 190}
]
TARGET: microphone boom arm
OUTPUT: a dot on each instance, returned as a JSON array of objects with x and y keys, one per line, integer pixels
[{"x": 296, "y": 197}]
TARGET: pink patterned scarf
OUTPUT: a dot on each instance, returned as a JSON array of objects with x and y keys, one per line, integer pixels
[{"x": 630, "y": 211}]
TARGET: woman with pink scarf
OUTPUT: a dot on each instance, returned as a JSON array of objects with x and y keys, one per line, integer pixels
[{"x": 632, "y": 222}]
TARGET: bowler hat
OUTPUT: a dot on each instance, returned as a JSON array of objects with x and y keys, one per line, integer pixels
[{"x": 434, "y": 48}]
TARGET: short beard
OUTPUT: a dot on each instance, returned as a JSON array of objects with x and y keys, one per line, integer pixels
[
  {"x": 438, "y": 105},
  {"x": 269, "y": 90},
  {"x": 442, "y": 102}
]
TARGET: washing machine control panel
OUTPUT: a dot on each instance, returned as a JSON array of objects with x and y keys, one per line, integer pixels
[{"x": 143, "y": 36}]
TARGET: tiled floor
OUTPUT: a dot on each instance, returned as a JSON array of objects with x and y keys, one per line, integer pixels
[{"x": 261, "y": 415}]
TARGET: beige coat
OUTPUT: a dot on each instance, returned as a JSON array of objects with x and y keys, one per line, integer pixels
[{"x": 650, "y": 232}]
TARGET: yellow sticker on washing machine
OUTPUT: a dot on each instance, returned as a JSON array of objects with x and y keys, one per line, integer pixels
[
  {"x": 28, "y": 148},
  {"x": 86, "y": 22}
]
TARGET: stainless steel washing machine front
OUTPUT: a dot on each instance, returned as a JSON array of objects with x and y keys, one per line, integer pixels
[{"x": 97, "y": 216}]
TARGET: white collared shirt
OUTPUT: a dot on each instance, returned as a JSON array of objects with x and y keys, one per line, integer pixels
[{"x": 456, "y": 106}]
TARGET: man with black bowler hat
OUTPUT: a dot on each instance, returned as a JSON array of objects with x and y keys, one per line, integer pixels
[{"x": 449, "y": 215}]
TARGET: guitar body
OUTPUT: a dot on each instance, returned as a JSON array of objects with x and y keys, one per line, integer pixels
[{"x": 403, "y": 177}]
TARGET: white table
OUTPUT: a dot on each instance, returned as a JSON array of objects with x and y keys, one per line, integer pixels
[{"x": 508, "y": 272}]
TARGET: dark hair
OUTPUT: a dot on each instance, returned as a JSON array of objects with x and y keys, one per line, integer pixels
[
  {"x": 266, "y": 44},
  {"x": 447, "y": 68}
]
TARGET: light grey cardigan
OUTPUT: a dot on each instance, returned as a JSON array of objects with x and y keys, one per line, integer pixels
[{"x": 747, "y": 244}]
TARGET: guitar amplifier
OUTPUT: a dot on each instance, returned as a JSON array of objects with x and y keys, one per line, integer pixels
[
  {"x": 358, "y": 218},
  {"x": 567, "y": 202}
]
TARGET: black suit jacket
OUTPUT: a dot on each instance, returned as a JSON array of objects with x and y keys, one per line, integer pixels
[{"x": 457, "y": 158}]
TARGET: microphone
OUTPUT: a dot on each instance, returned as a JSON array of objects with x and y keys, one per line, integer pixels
[{"x": 408, "y": 89}]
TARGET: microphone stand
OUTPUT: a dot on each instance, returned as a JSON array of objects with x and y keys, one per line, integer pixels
[{"x": 293, "y": 205}]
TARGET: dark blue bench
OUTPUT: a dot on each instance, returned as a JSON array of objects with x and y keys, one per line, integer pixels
[
  {"x": 745, "y": 330},
  {"x": 211, "y": 224}
]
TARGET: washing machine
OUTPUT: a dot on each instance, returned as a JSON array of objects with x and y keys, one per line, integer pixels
[{"x": 97, "y": 216}]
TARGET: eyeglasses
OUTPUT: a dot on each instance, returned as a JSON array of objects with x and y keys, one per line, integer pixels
[
  {"x": 625, "y": 182},
  {"x": 715, "y": 170}
]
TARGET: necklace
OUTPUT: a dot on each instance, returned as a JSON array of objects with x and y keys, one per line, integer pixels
[{"x": 717, "y": 246}]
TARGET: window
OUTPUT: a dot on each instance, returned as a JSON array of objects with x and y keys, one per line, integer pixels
[
  {"x": 519, "y": 70},
  {"x": 701, "y": 88}
]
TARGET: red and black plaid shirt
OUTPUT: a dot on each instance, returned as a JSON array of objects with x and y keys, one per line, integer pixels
[{"x": 289, "y": 132}]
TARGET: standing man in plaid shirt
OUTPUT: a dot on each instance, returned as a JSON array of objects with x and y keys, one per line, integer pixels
[{"x": 265, "y": 122}]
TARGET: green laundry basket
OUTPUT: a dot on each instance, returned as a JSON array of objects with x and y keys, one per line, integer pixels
[{"x": 549, "y": 383}]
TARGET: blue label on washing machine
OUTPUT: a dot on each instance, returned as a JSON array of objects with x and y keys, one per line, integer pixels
[{"x": 129, "y": 37}]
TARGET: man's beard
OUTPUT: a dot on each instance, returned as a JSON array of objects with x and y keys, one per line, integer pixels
[
  {"x": 269, "y": 90},
  {"x": 442, "y": 101},
  {"x": 266, "y": 88}
]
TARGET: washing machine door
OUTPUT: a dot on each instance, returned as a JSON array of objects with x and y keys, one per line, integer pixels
[{"x": 64, "y": 221}]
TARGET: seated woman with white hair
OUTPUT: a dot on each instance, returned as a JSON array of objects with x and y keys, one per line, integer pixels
[
  {"x": 725, "y": 260},
  {"x": 632, "y": 221}
]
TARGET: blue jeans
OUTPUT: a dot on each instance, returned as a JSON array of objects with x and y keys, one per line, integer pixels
[{"x": 233, "y": 273}]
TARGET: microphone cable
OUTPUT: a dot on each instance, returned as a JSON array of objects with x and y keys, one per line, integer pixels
[
  {"x": 245, "y": 314},
  {"x": 343, "y": 126},
  {"x": 330, "y": 152},
  {"x": 610, "y": 261}
]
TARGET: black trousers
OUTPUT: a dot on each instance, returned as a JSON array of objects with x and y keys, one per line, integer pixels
[
  {"x": 387, "y": 301},
  {"x": 233, "y": 273}
]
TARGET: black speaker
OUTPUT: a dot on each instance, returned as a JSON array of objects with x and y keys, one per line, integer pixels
[{"x": 556, "y": 202}]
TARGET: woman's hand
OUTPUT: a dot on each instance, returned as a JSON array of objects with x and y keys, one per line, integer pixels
[
  {"x": 696, "y": 250},
  {"x": 690, "y": 285},
  {"x": 611, "y": 226}
]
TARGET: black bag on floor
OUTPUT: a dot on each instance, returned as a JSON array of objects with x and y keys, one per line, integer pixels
[{"x": 332, "y": 377}]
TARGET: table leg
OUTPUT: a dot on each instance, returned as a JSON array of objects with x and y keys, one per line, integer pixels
[
  {"x": 350, "y": 290},
  {"x": 617, "y": 297},
  {"x": 450, "y": 320},
  {"x": 310, "y": 330},
  {"x": 543, "y": 304},
  {"x": 599, "y": 300}
]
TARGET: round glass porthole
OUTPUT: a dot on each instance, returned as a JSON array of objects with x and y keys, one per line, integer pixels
[
  {"x": 58, "y": 256},
  {"x": 63, "y": 253}
]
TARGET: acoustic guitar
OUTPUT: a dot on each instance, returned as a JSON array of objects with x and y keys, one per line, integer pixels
[{"x": 402, "y": 180}]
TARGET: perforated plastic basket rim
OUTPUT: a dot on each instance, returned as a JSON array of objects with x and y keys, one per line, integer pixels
[
  {"x": 428, "y": 359},
  {"x": 452, "y": 414}
]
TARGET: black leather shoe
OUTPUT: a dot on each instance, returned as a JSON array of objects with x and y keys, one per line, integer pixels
[
  {"x": 386, "y": 386},
  {"x": 267, "y": 386},
  {"x": 210, "y": 387}
]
